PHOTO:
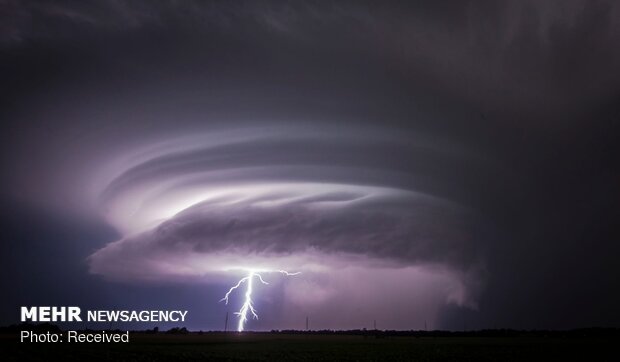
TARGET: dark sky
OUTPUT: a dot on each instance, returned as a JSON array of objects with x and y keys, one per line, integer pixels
[{"x": 454, "y": 163}]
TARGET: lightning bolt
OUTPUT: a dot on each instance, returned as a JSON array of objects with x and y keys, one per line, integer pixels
[{"x": 248, "y": 306}]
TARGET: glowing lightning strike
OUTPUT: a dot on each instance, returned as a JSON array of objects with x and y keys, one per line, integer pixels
[{"x": 247, "y": 305}]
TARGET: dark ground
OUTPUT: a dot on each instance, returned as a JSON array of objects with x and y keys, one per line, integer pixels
[{"x": 322, "y": 347}]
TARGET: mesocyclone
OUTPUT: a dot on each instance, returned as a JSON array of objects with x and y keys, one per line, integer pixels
[{"x": 313, "y": 201}]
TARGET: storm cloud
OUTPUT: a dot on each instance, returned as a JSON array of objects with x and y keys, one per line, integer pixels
[
  {"x": 315, "y": 202},
  {"x": 459, "y": 157}
]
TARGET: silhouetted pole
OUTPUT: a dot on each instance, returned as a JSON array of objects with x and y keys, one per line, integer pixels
[{"x": 226, "y": 323}]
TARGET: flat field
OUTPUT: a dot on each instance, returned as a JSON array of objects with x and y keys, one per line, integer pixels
[{"x": 316, "y": 347}]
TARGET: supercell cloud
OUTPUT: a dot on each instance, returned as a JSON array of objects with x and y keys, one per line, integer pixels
[
  {"x": 323, "y": 203},
  {"x": 440, "y": 162}
]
